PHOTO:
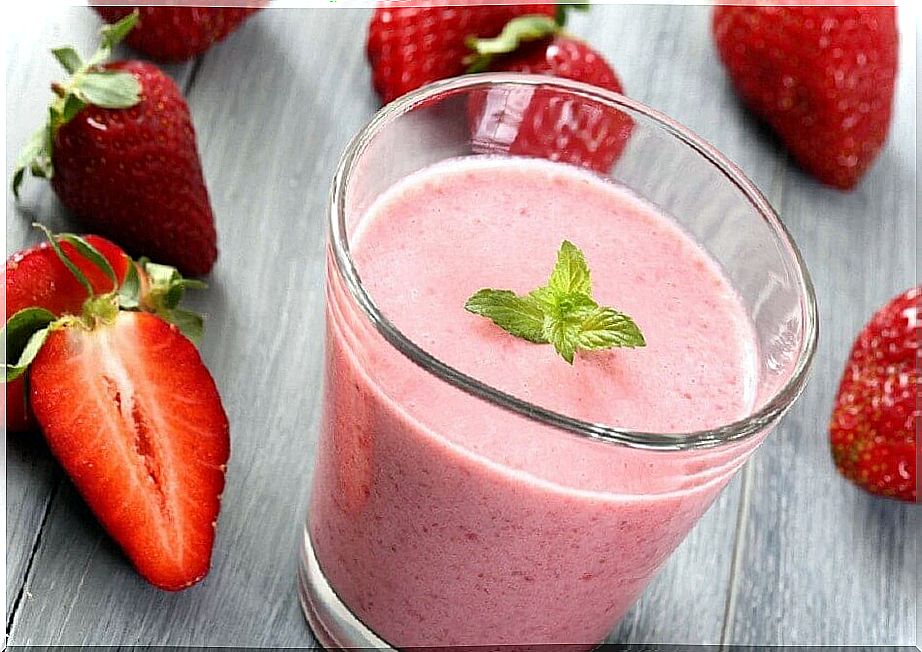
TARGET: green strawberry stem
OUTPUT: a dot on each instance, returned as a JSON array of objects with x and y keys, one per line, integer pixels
[
  {"x": 25, "y": 332},
  {"x": 519, "y": 30},
  {"x": 564, "y": 8},
  {"x": 88, "y": 84}
]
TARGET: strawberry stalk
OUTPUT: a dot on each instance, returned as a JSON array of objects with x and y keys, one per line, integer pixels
[
  {"x": 26, "y": 331},
  {"x": 517, "y": 31},
  {"x": 564, "y": 8},
  {"x": 88, "y": 84}
]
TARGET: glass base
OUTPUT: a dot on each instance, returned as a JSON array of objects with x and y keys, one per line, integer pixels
[{"x": 334, "y": 626}]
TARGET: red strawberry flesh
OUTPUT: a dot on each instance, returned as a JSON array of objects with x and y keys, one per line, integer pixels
[{"x": 133, "y": 416}]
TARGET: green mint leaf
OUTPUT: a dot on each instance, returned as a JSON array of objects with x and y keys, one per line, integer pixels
[
  {"x": 604, "y": 328},
  {"x": 562, "y": 313},
  {"x": 23, "y": 339},
  {"x": 571, "y": 273},
  {"x": 517, "y": 31},
  {"x": 109, "y": 89},
  {"x": 563, "y": 335},
  {"x": 563, "y": 321},
  {"x": 519, "y": 316},
  {"x": 68, "y": 58}
]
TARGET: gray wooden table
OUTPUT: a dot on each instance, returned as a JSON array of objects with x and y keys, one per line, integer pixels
[{"x": 790, "y": 554}]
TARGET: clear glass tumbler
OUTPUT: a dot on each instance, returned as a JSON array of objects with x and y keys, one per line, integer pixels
[{"x": 392, "y": 551}]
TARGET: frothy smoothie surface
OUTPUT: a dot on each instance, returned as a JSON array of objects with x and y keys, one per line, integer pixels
[{"x": 440, "y": 235}]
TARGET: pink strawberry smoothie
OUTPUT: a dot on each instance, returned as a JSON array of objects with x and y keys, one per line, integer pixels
[{"x": 441, "y": 519}]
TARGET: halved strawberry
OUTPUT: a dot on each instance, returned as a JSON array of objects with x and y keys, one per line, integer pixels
[
  {"x": 133, "y": 416},
  {"x": 37, "y": 277},
  {"x": 129, "y": 410}
]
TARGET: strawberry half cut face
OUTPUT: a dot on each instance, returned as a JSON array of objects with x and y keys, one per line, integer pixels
[{"x": 133, "y": 416}]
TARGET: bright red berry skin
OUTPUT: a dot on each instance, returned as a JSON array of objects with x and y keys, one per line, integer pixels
[
  {"x": 562, "y": 129},
  {"x": 134, "y": 418},
  {"x": 877, "y": 410},
  {"x": 36, "y": 277},
  {"x": 174, "y": 34},
  {"x": 822, "y": 77},
  {"x": 134, "y": 175},
  {"x": 409, "y": 47}
]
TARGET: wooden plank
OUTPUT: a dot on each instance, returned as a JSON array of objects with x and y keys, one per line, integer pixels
[
  {"x": 31, "y": 474},
  {"x": 823, "y": 562}
]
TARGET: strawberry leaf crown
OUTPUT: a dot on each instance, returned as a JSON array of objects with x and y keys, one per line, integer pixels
[
  {"x": 88, "y": 84},
  {"x": 519, "y": 30},
  {"x": 157, "y": 289}
]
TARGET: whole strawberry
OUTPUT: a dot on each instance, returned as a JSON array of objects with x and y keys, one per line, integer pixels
[
  {"x": 130, "y": 411},
  {"x": 173, "y": 34},
  {"x": 877, "y": 411},
  {"x": 410, "y": 46},
  {"x": 553, "y": 126},
  {"x": 120, "y": 151},
  {"x": 822, "y": 77}
]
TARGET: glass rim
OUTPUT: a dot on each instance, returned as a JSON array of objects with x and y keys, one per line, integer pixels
[{"x": 735, "y": 431}]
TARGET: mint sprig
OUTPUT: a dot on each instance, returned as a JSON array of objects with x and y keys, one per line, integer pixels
[{"x": 562, "y": 313}]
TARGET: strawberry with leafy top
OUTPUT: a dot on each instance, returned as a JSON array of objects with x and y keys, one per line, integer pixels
[
  {"x": 37, "y": 277},
  {"x": 877, "y": 411},
  {"x": 410, "y": 46},
  {"x": 130, "y": 411},
  {"x": 119, "y": 148},
  {"x": 173, "y": 34},
  {"x": 551, "y": 125},
  {"x": 822, "y": 77}
]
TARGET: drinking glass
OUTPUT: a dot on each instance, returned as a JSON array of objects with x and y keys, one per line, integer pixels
[{"x": 400, "y": 547}]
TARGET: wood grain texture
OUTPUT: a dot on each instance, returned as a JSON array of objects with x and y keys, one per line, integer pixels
[{"x": 274, "y": 106}]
